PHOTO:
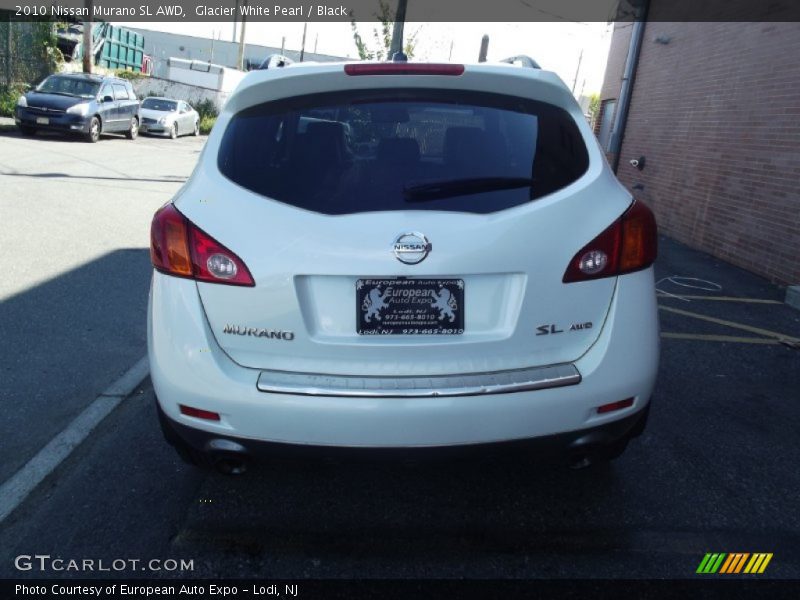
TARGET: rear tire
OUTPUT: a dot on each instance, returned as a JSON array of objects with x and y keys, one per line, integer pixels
[
  {"x": 27, "y": 130},
  {"x": 94, "y": 131},
  {"x": 133, "y": 131}
]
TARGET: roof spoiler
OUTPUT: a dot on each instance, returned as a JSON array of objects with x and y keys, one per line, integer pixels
[{"x": 522, "y": 61}]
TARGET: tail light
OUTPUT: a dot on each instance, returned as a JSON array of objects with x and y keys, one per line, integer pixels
[
  {"x": 179, "y": 248},
  {"x": 403, "y": 68},
  {"x": 629, "y": 244}
]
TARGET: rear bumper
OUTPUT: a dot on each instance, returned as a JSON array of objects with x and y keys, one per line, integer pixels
[
  {"x": 188, "y": 367},
  {"x": 563, "y": 445}
]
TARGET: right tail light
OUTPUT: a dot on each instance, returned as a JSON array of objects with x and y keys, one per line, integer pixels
[{"x": 629, "y": 244}]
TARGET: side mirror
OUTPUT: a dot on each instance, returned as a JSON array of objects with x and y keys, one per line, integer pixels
[{"x": 108, "y": 99}]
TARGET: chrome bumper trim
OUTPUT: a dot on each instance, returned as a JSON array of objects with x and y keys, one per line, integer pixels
[{"x": 498, "y": 382}]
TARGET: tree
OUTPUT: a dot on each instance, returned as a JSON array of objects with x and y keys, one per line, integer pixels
[
  {"x": 382, "y": 36},
  {"x": 594, "y": 108}
]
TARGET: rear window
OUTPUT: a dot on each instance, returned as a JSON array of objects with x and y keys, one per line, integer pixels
[
  {"x": 384, "y": 150},
  {"x": 159, "y": 104}
]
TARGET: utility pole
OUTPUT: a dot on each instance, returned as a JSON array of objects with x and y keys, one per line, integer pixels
[
  {"x": 397, "y": 31},
  {"x": 240, "y": 60},
  {"x": 235, "y": 14},
  {"x": 303, "y": 44},
  {"x": 574, "y": 81},
  {"x": 8, "y": 53},
  {"x": 484, "y": 49},
  {"x": 283, "y": 44},
  {"x": 88, "y": 45},
  {"x": 450, "y": 56}
]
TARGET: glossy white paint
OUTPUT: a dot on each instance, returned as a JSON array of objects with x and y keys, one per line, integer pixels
[
  {"x": 188, "y": 367},
  {"x": 305, "y": 266}
]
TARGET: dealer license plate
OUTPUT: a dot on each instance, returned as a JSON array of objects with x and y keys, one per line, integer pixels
[{"x": 403, "y": 306}]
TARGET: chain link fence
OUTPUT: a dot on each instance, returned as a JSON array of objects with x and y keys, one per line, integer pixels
[{"x": 28, "y": 53}]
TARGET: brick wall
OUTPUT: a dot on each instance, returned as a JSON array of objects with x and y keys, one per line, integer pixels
[
  {"x": 612, "y": 80},
  {"x": 716, "y": 113},
  {"x": 617, "y": 53}
]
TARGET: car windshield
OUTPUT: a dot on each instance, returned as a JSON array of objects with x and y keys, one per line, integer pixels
[
  {"x": 159, "y": 104},
  {"x": 379, "y": 150},
  {"x": 69, "y": 86}
]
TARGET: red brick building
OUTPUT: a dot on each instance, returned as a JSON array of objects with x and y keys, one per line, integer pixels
[{"x": 715, "y": 111}]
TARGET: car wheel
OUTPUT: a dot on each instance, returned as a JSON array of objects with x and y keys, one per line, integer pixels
[
  {"x": 173, "y": 133},
  {"x": 133, "y": 131},
  {"x": 94, "y": 131},
  {"x": 196, "y": 128}
]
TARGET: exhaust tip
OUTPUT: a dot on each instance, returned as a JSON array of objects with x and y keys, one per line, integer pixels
[
  {"x": 230, "y": 465},
  {"x": 228, "y": 457},
  {"x": 578, "y": 462}
]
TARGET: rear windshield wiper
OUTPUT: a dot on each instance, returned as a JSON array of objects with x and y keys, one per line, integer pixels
[{"x": 448, "y": 188}]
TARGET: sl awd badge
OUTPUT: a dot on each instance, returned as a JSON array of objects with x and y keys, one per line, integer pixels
[{"x": 553, "y": 328}]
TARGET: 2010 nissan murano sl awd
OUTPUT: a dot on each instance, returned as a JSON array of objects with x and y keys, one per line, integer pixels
[{"x": 402, "y": 256}]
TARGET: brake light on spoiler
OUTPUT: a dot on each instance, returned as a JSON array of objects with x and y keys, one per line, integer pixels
[{"x": 403, "y": 68}]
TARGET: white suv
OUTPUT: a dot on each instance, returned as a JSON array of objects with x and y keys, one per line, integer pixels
[{"x": 401, "y": 256}]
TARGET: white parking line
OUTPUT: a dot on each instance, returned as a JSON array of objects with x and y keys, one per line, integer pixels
[{"x": 14, "y": 491}]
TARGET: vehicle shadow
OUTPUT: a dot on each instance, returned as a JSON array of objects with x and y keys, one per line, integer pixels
[
  {"x": 374, "y": 513},
  {"x": 64, "y": 341},
  {"x": 55, "y": 136}
]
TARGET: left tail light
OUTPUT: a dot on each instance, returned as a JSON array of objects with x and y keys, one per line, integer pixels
[
  {"x": 629, "y": 244},
  {"x": 178, "y": 247}
]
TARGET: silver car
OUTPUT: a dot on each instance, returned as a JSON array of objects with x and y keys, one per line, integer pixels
[{"x": 165, "y": 116}]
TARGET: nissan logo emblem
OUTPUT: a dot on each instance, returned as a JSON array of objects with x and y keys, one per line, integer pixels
[{"x": 411, "y": 248}]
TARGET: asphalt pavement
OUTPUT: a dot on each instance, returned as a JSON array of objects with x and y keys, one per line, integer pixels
[
  {"x": 715, "y": 471},
  {"x": 75, "y": 272}
]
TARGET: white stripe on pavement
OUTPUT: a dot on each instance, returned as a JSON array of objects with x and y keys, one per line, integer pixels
[{"x": 14, "y": 491}]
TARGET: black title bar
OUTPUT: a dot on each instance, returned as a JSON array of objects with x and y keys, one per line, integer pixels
[{"x": 417, "y": 10}]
